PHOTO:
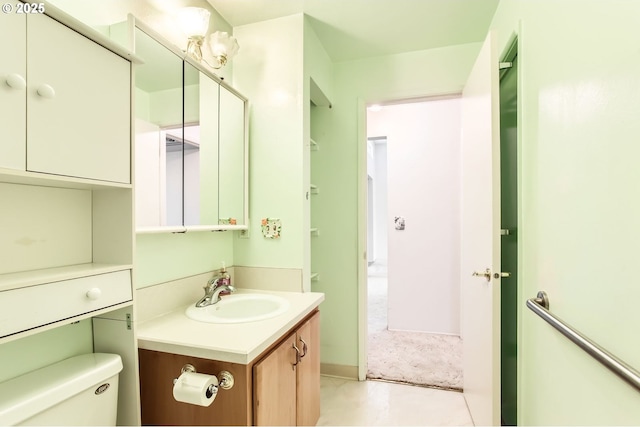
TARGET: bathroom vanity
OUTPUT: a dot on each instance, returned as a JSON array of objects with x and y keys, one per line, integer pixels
[{"x": 275, "y": 363}]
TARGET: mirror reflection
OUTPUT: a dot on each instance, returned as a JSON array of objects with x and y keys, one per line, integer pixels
[
  {"x": 159, "y": 138},
  {"x": 191, "y": 146}
]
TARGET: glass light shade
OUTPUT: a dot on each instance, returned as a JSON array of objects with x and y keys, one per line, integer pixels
[
  {"x": 223, "y": 45},
  {"x": 194, "y": 21}
]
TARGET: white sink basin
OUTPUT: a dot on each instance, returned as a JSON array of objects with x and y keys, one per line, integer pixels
[{"x": 240, "y": 308}]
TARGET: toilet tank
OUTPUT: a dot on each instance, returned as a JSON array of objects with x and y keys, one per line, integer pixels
[{"x": 81, "y": 390}]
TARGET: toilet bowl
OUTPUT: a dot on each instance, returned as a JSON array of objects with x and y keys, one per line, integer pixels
[{"x": 81, "y": 390}]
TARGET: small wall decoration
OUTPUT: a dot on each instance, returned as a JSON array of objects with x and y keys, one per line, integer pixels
[
  {"x": 399, "y": 223},
  {"x": 227, "y": 221},
  {"x": 271, "y": 228}
]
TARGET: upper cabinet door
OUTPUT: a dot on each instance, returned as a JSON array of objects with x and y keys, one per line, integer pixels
[
  {"x": 232, "y": 170},
  {"x": 78, "y": 105},
  {"x": 13, "y": 97}
]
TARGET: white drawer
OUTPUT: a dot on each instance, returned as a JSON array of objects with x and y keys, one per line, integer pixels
[{"x": 27, "y": 308}]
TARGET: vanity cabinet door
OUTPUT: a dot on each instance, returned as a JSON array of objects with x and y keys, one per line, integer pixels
[
  {"x": 13, "y": 96},
  {"x": 274, "y": 396},
  {"x": 287, "y": 386},
  {"x": 78, "y": 105},
  {"x": 308, "y": 378}
]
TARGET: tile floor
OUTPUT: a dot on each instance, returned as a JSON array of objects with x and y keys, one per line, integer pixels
[{"x": 355, "y": 403}]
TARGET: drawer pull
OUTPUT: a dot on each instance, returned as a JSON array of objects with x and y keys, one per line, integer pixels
[
  {"x": 304, "y": 348},
  {"x": 94, "y": 293},
  {"x": 297, "y": 356}
]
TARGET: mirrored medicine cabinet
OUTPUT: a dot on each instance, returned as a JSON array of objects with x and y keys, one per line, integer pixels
[{"x": 191, "y": 143}]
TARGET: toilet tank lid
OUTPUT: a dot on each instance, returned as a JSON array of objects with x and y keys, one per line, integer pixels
[{"x": 29, "y": 394}]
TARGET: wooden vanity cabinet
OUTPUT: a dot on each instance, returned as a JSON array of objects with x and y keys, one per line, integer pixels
[
  {"x": 269, "y": 391},
  {"x": 158, "y": 407}
]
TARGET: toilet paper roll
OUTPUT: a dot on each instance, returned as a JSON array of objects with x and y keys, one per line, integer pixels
[{"x": 195, "y": 388}]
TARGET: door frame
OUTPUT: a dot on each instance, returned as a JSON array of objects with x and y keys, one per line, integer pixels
[
  {"x": 362, "y": 268},
  {"x": 508, "y": 55}
]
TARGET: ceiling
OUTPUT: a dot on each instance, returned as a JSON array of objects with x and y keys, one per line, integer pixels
[{"x": 354, "y": 29}]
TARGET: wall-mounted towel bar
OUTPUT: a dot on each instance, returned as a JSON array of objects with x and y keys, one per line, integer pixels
[{"x": 540, "y": 306}]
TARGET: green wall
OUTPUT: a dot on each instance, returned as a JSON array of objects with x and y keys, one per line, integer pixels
[
  {"x": 33, "y": 352},
  {"x": 270, "y": 74},
  {"x": 579, "y": 231},
  {"x": 170, "y": 256}
]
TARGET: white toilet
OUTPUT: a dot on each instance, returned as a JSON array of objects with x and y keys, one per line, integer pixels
[{"x": 81, "y": 390}]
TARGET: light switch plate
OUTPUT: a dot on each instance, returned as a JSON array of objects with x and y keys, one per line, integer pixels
[{"x": 271, "y": 228}]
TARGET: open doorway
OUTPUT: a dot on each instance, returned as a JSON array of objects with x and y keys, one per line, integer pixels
[{"x": 413, "y": 152}]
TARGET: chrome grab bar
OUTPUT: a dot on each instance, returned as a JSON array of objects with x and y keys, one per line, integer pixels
[{"x": 540, "y": 306}]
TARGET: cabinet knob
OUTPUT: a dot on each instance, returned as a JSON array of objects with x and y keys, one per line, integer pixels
[
  {"x": 46, "y": 91},
  {"x": 94, "y": 293},
  {"x": 16, "y": 81}
]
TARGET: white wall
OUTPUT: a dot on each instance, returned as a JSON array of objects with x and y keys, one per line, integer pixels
[
  {"x": 423, "y": 147},
  {"x": 380, "y": 232}
]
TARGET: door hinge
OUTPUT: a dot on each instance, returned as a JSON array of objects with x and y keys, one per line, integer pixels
[
  {"x": 505, "y": 65},
  {"x": 128, "y": 321}
]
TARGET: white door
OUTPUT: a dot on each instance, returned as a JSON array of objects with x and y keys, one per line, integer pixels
[{"x": 480, "y": 244}]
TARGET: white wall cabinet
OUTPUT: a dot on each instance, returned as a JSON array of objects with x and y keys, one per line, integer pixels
[
  {"x": 66, "y": 223},
  {"x": 76, "y": 123}
]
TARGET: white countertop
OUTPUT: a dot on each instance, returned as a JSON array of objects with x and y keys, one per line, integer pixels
[{"x": 237, "y": 343}]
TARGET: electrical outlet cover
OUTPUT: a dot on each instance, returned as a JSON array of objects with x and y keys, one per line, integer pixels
[{"x": 271, "y": 228}]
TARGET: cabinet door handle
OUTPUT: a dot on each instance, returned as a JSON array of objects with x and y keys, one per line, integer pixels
[
  {"x": 304, "y": 348},
  {"x": 46, "y": 91},
  {"x": 16, "y": 81},
  {"x": 297, "y": 356}
]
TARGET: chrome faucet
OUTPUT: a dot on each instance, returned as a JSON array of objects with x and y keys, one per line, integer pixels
[{"x": 212, "y": 291}]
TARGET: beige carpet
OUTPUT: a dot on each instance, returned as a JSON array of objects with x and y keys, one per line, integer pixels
[
  {"x": 429, "y": 360},
  {"x": 417, "y": 358}
]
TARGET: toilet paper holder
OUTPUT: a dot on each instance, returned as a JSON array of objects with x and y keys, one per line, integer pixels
[{"x": 225, "y": 379}]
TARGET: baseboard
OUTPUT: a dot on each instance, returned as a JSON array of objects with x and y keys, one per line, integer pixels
[{"x": 340, "y": 371}]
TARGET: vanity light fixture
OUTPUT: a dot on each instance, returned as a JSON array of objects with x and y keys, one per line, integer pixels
[
  {"x": 194, "y": 23},
  {"x": 223, "y": 47}
]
